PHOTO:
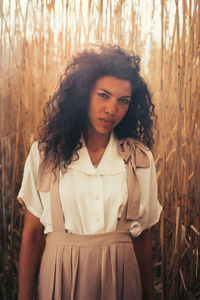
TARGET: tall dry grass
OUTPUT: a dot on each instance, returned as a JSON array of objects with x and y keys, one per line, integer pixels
[
  {"x": 178, "y": 160},
  {"x": 33, "y": 55}
]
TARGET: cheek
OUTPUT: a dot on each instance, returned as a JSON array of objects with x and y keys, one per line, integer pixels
[
  {"x": 123, "y": 112},
  {"x": 92, "y": 109}
]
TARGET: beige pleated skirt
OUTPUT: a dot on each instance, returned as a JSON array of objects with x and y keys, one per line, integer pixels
[
  {"x": 86, "y": 267},
  {"x": 90, "y": 267}
]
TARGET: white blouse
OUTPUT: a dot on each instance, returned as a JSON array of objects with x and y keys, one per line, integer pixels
[{"x": 92, "y": 198}]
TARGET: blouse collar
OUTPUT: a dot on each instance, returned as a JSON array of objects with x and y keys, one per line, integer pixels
[{"x": 111, "y": 162}]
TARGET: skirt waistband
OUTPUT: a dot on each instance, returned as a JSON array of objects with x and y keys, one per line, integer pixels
[{"x": 90, "y": 239}]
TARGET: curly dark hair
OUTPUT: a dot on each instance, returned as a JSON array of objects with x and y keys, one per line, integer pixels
[{"x": 66, "y": 112}]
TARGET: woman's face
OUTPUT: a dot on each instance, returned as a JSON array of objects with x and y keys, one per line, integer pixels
[{"x": 109, "y": 102}]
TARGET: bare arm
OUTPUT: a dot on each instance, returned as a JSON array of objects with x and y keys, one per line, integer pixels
[
  {"x": 32, "y": 244},
  {"x": 143, "y": 251}
]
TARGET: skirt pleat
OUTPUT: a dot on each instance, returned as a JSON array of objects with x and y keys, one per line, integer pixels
[
  {"x": 99, "y": 267},
  {"x": 58, "y": 272},
  {"x": 106, "y": 274},
  {"x": 67, "y": 273},
  {"x": 88, "y": 276},
  {"x": 46, "y": 279},
  {"x": 74, "y": 270},
  {"x": 113, "y": 263},
  {"x": 120, "y": 272},
  {"x": 131, "y": 279}
]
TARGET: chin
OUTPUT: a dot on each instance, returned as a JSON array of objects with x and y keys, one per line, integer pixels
[{"x": 105, "y": 131}]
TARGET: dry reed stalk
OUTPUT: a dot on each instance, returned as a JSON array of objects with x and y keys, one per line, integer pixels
[
  {"x": 162, "y": 153},
  {"x": 111, "y": 23},
  {"x": 186, "y": 167}
]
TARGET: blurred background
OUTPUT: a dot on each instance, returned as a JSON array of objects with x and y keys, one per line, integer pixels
[{"x": 37, "y": 39}]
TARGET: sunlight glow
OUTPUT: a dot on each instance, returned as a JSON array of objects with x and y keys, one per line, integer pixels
[{"x": 59, "y": 20}]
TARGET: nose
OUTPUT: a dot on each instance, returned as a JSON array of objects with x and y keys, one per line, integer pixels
[{"x": 111, "y": 107}]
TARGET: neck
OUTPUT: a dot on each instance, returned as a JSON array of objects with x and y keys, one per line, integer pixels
[{"x": 94, "y": 140}]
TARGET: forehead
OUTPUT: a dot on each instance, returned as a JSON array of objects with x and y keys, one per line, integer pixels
[{"x": 111, "y": 83}]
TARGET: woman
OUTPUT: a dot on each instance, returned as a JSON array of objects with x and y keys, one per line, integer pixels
[{"x": 89, "y": 185}]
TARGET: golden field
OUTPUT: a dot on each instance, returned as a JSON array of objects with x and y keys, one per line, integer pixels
[{"x": 37, "y": 38}]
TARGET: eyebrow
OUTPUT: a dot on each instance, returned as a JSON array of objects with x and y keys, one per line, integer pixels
[{"x": 128, "y": 96}]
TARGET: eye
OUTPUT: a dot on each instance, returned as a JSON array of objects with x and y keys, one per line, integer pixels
[
  {"x": 124, "y": 101},
  {"x": 103, "y": 95}
]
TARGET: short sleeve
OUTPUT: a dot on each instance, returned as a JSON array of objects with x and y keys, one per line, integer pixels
[
  {"x": 28, "y": 194},
  {"x": 150, "y": 208}
]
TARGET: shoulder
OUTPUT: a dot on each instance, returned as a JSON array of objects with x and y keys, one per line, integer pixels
[
  {"x": 140, "y": 147},
  {"x": 138, "y": 152},
  {"x": 34, "y": 150},
  {"x": 37, "y": 152},
  {"x": 34, "y": 155},
  {"x": 34, "y": 147},
  {"x": 137, "y": 144}
]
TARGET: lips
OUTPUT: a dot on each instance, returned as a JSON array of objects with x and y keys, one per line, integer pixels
[{"x": 107, "y": 123}]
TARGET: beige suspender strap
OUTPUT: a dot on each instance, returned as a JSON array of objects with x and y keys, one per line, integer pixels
[
  {"x": 48, "y": 181},
  {"x": 134, "y": 155},
  {"x": 124, "y": 223},
  {"x": 56, "y": 209}
]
